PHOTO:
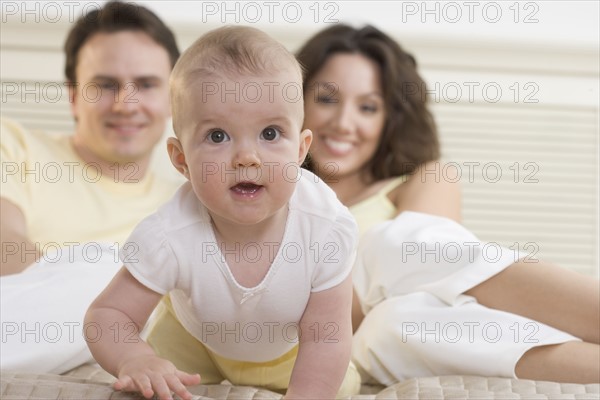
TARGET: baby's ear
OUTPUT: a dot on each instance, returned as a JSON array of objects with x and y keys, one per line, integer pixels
[
  {"x": 306, "y": 137},
  {"x": 175, "y": 150}
]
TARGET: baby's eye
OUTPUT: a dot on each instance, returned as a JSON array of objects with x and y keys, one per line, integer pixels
[
  {"x": 270, "y": 133},
  {"x": 218, "y": 136}
]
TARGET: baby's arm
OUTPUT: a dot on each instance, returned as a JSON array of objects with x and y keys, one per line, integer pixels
[
  {"x": 324, "y": 352},
  {"x": 112, "y": 326}
]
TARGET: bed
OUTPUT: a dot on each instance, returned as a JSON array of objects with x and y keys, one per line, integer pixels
[
  {"x": 90, "y": 382},
  {"x": 563, "y": 116}
]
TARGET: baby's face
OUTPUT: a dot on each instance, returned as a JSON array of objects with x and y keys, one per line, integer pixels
[{"x": 242, "y": 144}]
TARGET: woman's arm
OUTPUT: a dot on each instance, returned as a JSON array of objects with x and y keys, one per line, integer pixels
[
  {"x": 112, "y": 326},
  {"x": 431, "y": 189},
  {"x": 324, "y": 352}
]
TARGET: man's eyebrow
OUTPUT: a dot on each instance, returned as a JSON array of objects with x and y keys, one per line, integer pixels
[
  {"x": 149, "y": 78},
  {"x": 103, "y": 78},
  {"x": 135, "y": 79}
]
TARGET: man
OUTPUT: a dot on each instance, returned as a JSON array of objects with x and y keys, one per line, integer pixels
[{"x": 68, "y": 228}]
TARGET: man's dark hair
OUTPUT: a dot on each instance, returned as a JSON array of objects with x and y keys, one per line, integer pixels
[{"x": 115, "y": 17}]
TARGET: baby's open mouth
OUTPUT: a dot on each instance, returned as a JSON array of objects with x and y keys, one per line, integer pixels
[{"x": 246, "y": 188}]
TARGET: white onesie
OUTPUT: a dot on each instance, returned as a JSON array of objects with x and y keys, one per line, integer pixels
[{"x": 175, "y": 251}]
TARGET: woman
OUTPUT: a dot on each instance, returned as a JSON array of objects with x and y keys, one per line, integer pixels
[{"x": 373, "y": 139}]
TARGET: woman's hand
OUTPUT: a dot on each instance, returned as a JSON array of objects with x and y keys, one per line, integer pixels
[{"x": 149, "y": 374}]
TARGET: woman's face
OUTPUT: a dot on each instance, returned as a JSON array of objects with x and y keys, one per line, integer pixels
[{"x": 345, "y": 110}]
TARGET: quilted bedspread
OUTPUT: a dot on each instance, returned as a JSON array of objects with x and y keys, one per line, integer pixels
[{"x": 91, "y": 383}]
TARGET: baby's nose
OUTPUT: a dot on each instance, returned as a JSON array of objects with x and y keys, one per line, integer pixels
[{"x": 246, "y": 158}]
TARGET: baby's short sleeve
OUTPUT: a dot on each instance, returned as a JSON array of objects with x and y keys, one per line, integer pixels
[
  {"x": 148, "y": 256},
  {"x": 337, "y": 252}
]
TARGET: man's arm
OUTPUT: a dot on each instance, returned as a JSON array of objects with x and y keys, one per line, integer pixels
[
  {"x": 18, "y": 252},
  {"x": 324, "y": 351}
]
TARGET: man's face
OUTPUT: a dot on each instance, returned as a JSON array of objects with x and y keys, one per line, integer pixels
[{"x": 121, "y": 101}]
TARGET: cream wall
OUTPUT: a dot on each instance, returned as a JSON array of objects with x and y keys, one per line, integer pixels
[{"x": 536, "y": 121}]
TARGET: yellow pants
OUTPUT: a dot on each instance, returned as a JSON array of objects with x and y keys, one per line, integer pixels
[{"x": 170, "y": 340}]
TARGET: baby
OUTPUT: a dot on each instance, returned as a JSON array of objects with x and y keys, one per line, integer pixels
[{"x": 251, "y": 257}]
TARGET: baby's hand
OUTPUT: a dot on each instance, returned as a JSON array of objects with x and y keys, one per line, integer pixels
[{"x": 150, "y": 374}]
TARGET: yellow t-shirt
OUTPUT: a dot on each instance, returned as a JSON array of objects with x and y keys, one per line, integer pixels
[
  {"x": 376, "y": 208},
  {"x": 65, "y": 200}
]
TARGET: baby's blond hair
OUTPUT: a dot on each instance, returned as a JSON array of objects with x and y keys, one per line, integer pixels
[{"x": 228, "y": 50}]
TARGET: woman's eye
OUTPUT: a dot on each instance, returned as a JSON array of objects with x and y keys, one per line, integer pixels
[
  {"x": 218, "y": 136},
  {"x": 326, "y": 99},
  {"x": 368, "y": 108},
  {"x": 270, "y": 133}
]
